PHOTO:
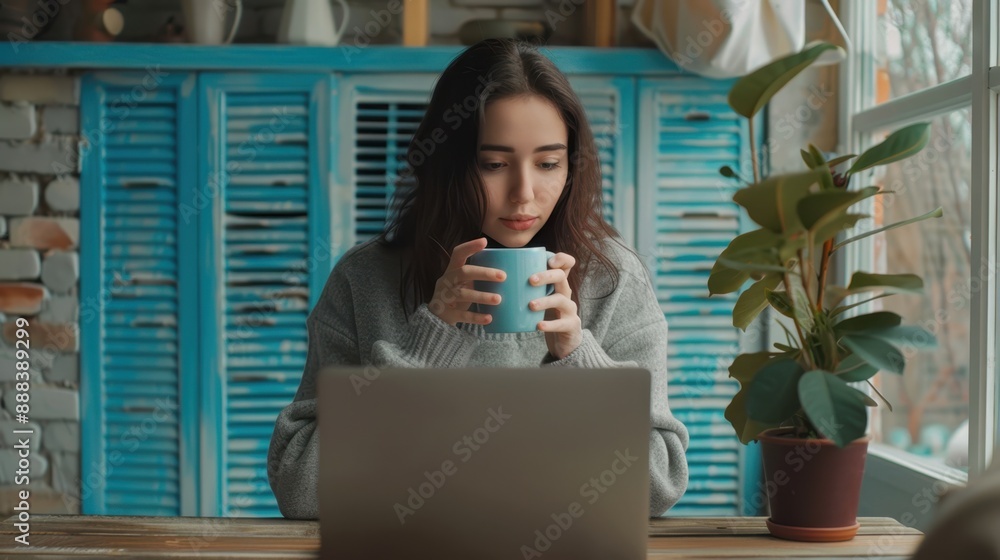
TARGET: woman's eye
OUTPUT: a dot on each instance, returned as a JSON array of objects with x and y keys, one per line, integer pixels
[
  {"x": 492, "y": 166},
  {"x": 549, "y": 165}
]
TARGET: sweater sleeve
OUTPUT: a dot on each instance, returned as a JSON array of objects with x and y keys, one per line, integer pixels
[
  {"x": 430, "y": 343},
  {"x": 636, "y": 336},
  {"x": 293, "y": 455}
]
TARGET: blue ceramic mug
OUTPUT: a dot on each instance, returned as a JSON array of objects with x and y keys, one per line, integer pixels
[{"x": 512, "y": 314}]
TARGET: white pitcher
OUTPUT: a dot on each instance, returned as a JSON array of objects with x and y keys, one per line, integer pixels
[
  {"x": 205, "y": 21},
  {"x": 311, "y": 22}
]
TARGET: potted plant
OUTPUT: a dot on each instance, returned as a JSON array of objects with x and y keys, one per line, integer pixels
[{"x": 797, "y": 399}]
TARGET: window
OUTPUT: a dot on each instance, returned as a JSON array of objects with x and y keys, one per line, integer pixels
[
  {"x": 921, "y": 43},
  {"x": 931, "y": 399},
  {"x": 930, "y": 60}
]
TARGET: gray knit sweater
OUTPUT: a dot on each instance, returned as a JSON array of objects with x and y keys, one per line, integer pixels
[{"x": 359, "y": 320}]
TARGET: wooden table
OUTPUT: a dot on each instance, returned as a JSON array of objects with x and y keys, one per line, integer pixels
[{"x": 98, "y": 536}]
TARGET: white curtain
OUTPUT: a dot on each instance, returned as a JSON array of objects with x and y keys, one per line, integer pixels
[{"x": 723, "y": 38}]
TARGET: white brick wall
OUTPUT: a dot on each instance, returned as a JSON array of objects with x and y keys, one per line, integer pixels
[
  {"x": 22, "y": 298},
  {"x": 38, "y": 465},
  {"x": 40, "y": 89},
  {"x": 48, "y": 403},
  {"x": 19, "y": 264},
  {"x": 56, "y": 155},
  {"x": 45, "y": 233},
  {"x": 63, "y": 194},
  {"x": 61, "y": 309},
  {"x": 57, "y": 119},
  {"x": 18, "y": 197},
  {"x": 8, "y": 371},
  {"x": 39, "y": 277},
  {"x": 9, "y": 439},
  {"x": 66, "y": 473},
  {"x": 62, "y": 437},
  {"x": 17, "y": 121},
  {"x": 61, "y": 271},
  {"x": 65, "y": 368}
]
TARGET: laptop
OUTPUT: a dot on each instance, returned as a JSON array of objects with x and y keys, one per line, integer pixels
[{"x": 484, "y": 463}]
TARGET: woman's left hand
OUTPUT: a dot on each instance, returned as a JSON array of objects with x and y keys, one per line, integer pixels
[{"x": 562, "y": 326}]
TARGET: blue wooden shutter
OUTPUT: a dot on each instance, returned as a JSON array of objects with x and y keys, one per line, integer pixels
[
  {"x": 138, "y": 296},
  {"x": 381, "y": 114},
  {"x": 610, "y": 107},
  {"x": 686, "y": 218},
  {"x": 387, "y": 113},
  {"x": 266, "y": 254}
]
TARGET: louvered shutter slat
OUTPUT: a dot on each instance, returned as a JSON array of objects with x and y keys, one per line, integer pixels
[
  {"x": 134, "y": 381},
  {"x": 691, "y": 219},
  {"x": 268, "y": 191},
  {"x": 602, "y": 100},
  {"x": 268, "y": 146},
  {"x": 385, "y": 116}
]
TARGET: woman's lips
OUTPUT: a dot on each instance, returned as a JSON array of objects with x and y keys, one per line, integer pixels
[{"x": 519, "y": 225}]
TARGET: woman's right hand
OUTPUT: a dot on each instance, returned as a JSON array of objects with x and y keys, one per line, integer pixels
[{"x": 454, "y": 293}]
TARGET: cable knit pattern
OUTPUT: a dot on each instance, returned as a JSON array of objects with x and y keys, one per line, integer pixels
[{"x": 359, "y": 320}]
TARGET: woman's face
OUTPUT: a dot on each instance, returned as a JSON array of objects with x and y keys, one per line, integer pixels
[{"x": 524, "y": 161}]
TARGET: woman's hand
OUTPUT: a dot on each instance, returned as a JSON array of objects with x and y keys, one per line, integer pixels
[
  {"x": 562, "y": 326},
  {"x": 453, "y": 293}
]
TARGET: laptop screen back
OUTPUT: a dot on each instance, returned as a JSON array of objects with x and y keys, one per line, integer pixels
[{"x": 485, "y": 463}]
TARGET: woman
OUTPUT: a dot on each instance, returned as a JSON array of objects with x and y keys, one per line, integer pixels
[{"x": 503, "y": 157}]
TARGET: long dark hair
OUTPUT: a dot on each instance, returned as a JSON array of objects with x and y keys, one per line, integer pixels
[{"x": 446, "y": 204}]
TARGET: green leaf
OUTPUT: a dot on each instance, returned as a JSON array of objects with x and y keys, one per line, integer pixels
[
  {"x": 834, "y": 408},
  {"x": 901, "y": 144},
  {"x": 773, "y": 396},
  {"x": 869, "y": 321},
  {"x": 743, "y": 369},
  {"x": 936, "y": 213},
  {"x": 835, "y": 225},
  {"x": 841, "y": 309},
  {"x": 725, "y": 280},
  {"x": 752, "y": 92},
  {"x": 916, "y": 337},
  {"x": 753, "y": 300},
  {"x": 863, "y": 282},
  {"x": 772, "y": 202},
  {"x": 839, "y": 160},
  {"x": 880, "y": 395},
  {"x": 808, "y": 159},
  {"x": 853, "y": 368},
  {"x": 826, "y": 178},
  {"x": 816, "y": 206},
  {"x": 781, "y": 303},
  {"x": 876, "y": 352},
  {"x": 897, "y": 283},
  {"x": 817, "y": 209},
  {"x": 753, "y": 266},
  {"x": 788, "y": 251},
  {"x": 868, "y": 400},
  {"x": 817, "y": 156}
]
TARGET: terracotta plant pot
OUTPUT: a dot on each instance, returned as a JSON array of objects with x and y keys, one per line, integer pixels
[{"x": 813, "y": 487}]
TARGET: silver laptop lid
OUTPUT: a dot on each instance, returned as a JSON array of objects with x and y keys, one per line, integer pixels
[{"x": 484, "y": 463}]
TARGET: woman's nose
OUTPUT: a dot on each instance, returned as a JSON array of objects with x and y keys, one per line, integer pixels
[{"x": 522, "y": 188}]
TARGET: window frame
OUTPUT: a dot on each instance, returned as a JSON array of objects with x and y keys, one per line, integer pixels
[{"x": 859, "y": 120}]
